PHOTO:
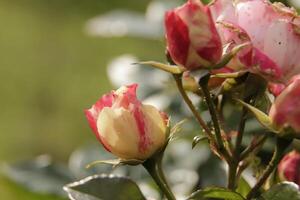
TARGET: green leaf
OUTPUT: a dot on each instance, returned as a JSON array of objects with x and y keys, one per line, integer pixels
[
  {"x": 40, "y": 175},
  {"x": 261, "y": 117},
  {"x": 116, "y": 162},
  {"x": 282, "y": 191},
  {"x": 215, "y": 192},
  {"x": 243, "y": 187},
  {"x": 104, "y": 187}
]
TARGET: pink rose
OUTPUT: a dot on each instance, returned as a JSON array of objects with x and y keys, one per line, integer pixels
[
  {"x": 126, "y": 127},
  {"x": 289, "y": 167},
  {"x": 192, "y": 38},
  {"x": 285, "y": 111},
  {"x": 272, "y": 30}
]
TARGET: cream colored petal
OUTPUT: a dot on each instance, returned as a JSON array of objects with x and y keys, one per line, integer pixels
[
  {"x": 118, "y": 128},
  {"x": 155, "y": 128}
]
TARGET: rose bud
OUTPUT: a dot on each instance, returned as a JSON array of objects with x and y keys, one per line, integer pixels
[
  {"x": 285, "y": 111},
  {"x": 126, "y": 127},
  {"x": 289, "y": 167},
  {"x": 192, "y": 39},
  {"x": 276, "y": 88}
]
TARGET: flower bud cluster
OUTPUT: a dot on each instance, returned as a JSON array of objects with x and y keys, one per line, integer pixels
[
  {"x": 196, "y": 34},
  {"x": 200, "y": 36}
]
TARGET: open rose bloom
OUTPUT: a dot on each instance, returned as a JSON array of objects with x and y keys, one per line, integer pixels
[
  {"x": 196, "y": 33},
  {"x": 272, "y": 31},
  {"x": 126, "y": 127}
]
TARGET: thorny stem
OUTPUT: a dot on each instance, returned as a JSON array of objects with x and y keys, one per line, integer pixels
[
  {"x": 253, "y": 91},
  {"x": 234, "y": 159},
  {"x": 240, "y": 133},
  {"x": 211, "y": 107},
  {"x": 242, "y": 166},
  {"x": 257, "y": 86},
  {"x": 232, "y": 175},
  {"x": 178, "y": 79},
  {"x": 252, "y": 147},
  {"x": 281, "y": 146}
]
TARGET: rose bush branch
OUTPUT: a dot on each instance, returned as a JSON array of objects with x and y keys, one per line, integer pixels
[
  {"x": 178, "y": 80},
  {"x": 240, "y": 133},
  {"x": 213, "y": 113},
  {"x": 193, "y": 49},
  {"x": 281, "y": 146},
  {"x": 233, "y": 174},
  {"x": 256, "y": 143},
  {"x": 256, "y": 86}
]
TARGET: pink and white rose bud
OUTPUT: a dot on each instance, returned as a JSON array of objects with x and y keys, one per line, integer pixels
[
  {"x": 285, "y": 112},
  {"x": 289, "y": 167},
  {"x": 192, "y": 39},
  {"x": 273, "y": 30},
  {"x": 126, "y": 127}
]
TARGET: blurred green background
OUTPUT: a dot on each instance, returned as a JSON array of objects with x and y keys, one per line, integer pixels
[{"x": 50, "y": 71}]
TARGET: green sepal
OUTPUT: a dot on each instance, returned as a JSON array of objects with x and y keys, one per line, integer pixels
[
  {"x": 261, "y": 117},
  {"x": 229, "y": 75},
  {"x": 175, "y": 129},
  {"x": 227, "y": 57},
  {"x": 173, "y": 69}
]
